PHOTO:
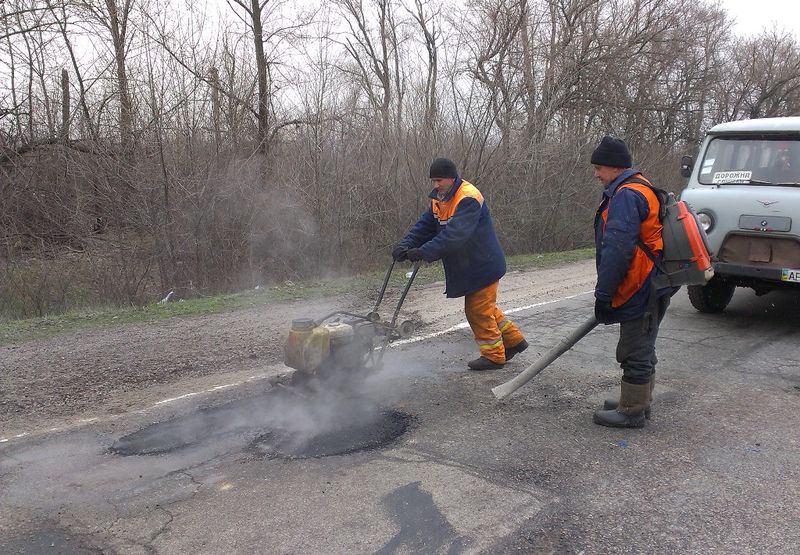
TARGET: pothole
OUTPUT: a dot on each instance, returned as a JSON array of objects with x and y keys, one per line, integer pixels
[{"x": 349, "y": 438}]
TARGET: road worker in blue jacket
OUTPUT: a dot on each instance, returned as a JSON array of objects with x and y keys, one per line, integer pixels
[
  {"x": 457, "y": 228},
  {"x": 626, "y": 219}
]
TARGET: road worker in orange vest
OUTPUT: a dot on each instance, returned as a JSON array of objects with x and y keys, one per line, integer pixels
[
  {"x": 457, "y": 228},
  {"x": 625, "y": 293}
]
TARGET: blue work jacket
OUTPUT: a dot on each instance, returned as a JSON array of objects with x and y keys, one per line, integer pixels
[{"x": 458, "y": 230}]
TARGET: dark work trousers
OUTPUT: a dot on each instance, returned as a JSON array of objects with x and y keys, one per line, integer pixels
[{"x": 636, "y": 350}]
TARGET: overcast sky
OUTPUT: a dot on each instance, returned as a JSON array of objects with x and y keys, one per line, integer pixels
[{"x": 753, "y": 15}]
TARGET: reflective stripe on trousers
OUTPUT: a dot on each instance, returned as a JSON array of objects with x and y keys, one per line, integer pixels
[{"x": 493, "y": 331}]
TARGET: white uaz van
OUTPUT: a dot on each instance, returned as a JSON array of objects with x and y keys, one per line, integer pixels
[{"x": 745, "y": 188}]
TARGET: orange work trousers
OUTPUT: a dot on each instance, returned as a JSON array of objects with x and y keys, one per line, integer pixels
[{"x": 493, "y": 332}]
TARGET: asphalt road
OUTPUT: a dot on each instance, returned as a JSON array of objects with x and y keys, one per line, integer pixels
[{"x": 717, "y": 469}]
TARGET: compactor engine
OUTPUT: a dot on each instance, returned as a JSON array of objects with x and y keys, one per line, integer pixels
[
  {"x": 343, "y": 340},
  {"x": 343, "y": 344}
]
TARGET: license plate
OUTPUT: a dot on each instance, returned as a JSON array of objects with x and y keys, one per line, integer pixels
[{"x": 790, "y": 275}]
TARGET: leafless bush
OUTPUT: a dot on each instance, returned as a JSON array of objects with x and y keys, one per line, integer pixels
[{"x": 35, "y": 288}]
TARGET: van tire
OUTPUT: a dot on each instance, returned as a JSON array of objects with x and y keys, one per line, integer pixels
[{"x": 712, "y": 297}]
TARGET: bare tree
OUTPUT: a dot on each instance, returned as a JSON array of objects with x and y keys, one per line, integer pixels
[
  {"x": 427, "y": 23},
  {"x": 61, "y": 20},
  {"x": 373, "y": 51},
  {"x": 498, "y": 23},
  {"x": 114, "y": 16},
  {"x": 254, "y": 10},
  {"x": 771, "y": 63}
]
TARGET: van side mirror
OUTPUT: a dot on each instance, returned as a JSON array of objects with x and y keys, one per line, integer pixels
[{"x": 687, "y": 163}]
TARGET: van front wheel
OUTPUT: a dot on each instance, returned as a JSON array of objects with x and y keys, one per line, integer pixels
[{"x": 712, "y": 297}]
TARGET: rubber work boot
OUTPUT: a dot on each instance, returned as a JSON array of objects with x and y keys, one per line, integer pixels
[
  {"x": 633, "y": 400},
  {"x": 516, "y": 349},
  {"x": 611, "y": 404},
  {"x": 484, "y": 363}
]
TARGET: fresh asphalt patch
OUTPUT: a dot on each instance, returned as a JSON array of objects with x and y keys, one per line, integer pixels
[{"x": 261, "y": 425}]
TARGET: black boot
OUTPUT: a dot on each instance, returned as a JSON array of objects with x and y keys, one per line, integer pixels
[
  {"x": 484, "y": 363},
  {"x": 516, "y": 349},
  {"x": 611, "y": 404},
  {"x": 633, "y": 400}
]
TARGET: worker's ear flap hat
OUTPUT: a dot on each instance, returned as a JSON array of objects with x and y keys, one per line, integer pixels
[{"x": 612, "y": 152}]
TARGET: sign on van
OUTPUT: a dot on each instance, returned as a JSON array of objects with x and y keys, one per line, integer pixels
[{"x": 732, "y": 177}]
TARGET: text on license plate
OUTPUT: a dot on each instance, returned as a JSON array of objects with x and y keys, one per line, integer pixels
[{"x": 790, "y": 275}]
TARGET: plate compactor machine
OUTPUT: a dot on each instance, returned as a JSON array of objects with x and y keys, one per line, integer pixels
[{"x": 344, "y": 342}]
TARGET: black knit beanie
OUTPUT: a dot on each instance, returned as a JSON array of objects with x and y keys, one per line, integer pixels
[
  {"x": 442, "y": 167},
  {"x": 612, "y": 152}
]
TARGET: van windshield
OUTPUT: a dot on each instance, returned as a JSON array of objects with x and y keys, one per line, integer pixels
[{"x": 752, "y": 159}]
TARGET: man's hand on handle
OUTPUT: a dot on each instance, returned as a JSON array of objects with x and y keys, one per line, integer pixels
[{"x": 400, "y": 253}]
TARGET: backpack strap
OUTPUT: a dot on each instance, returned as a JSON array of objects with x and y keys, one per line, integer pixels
[{"x": 662, "y": 196}]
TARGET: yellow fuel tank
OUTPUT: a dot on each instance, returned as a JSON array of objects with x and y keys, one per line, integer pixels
[{"x": 307, "y": 345}]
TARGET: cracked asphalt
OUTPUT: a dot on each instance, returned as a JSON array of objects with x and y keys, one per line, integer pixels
[{"x": 717, "y": 469}]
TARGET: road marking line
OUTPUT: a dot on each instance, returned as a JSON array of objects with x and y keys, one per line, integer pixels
[
  {"x": 215, "y": 388},
  {"x": 464, "y": 325},
  {"x": 6, "y": 439},
  {"x": 184, "y": 396},
  {"x": 78, "y": 423},
  {"x": 461, "y": 326}
]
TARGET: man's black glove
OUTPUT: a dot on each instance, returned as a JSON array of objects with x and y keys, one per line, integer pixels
[
  {"x": 414, "y": 255},
  {"x": 399, "y": 253},
  {"x": 603, "y": 311}
]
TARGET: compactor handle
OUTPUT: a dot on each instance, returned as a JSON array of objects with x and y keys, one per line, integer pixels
[
  {"x": 383, "y": 288},
  {"x": 405, "y": 292}
]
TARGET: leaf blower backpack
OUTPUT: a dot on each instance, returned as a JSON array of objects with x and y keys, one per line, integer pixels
[{"x": 685, "y": 259}]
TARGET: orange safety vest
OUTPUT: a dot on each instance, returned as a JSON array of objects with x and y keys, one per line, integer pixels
[
  {"x": 443, "y": 210},
  {"x": 650, "y": 234}
]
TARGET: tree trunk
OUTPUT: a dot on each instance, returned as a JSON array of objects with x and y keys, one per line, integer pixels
[
  {"x": 215, "y": 107},
  {"x": 263, "y": 84},
  {"x": 118, "y": 25},
  {"x": 65, "y": 105}
]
